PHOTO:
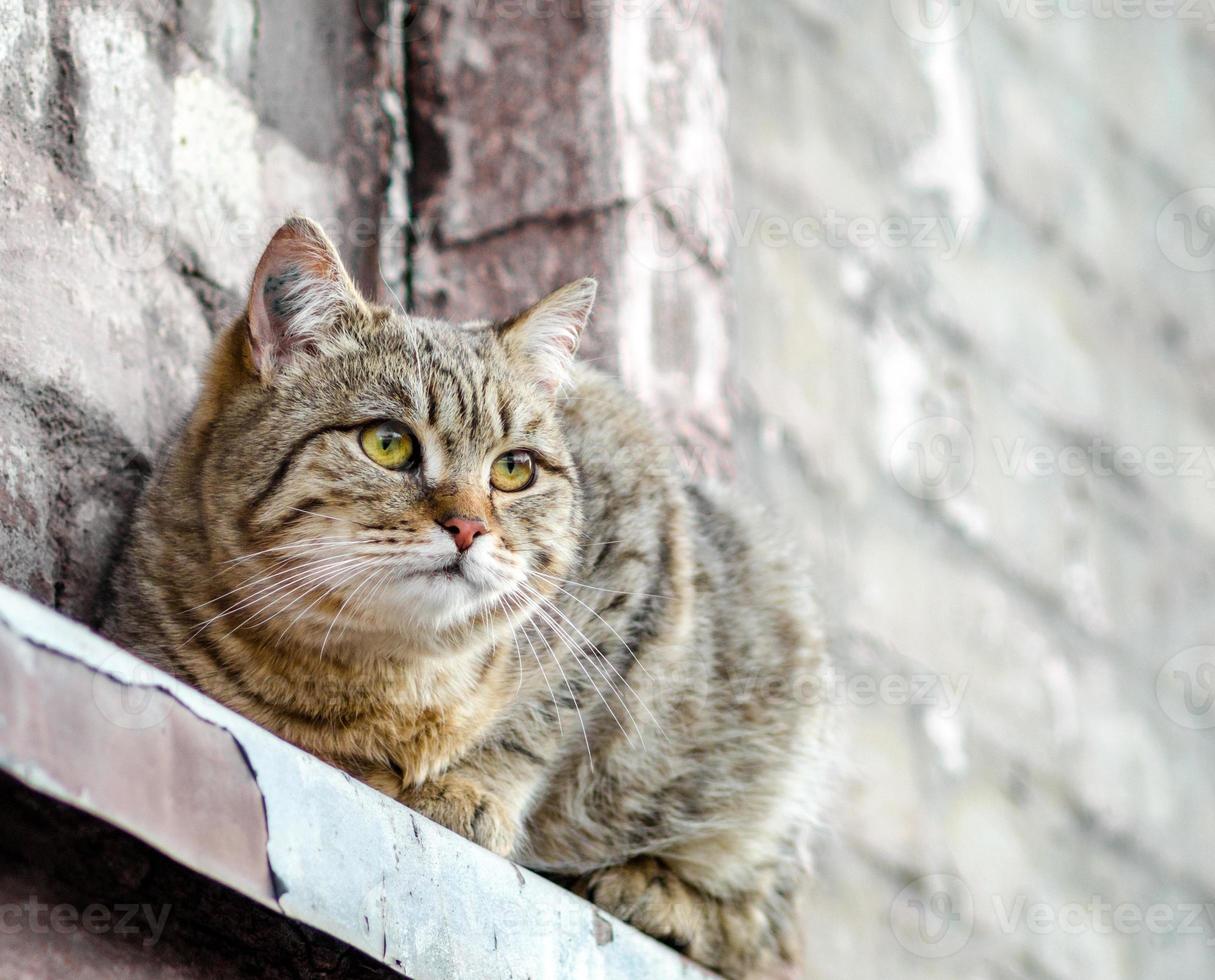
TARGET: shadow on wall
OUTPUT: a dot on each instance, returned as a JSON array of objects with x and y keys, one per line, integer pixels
[{"x": 68, "y": 480}]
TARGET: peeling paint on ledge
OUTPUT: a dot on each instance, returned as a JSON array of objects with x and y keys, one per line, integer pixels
[{"x": 184, "y": 774}]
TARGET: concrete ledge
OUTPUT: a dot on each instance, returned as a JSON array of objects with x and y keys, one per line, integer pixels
[{"x": 92, "y": 726}]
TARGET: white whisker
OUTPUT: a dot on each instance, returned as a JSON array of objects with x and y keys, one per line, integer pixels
[
  {"x": 609, "y": 626},
  {"x": 303, "y": 612},
  {"x": 590, "y": 758},
  {"x": 301, "y": 590},
  {"x": 337, "y": 615},
  {"x": 607, "y": 660},
  {"x": 293, "y": 546},
  {"x": 276, "y": 571},
  {"x": 518, "y": 652},
  {"x": 556, "y": 709},
  {"x": 573, "y": 649},
  {"x": 595, "y": 588},
  {"x": 278, "y": 584}
]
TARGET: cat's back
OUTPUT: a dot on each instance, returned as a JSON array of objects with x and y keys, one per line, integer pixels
[{"x": 718, "y": 607}]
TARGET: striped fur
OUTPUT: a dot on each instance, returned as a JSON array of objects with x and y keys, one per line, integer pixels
[{"x": 620, "y": 687}]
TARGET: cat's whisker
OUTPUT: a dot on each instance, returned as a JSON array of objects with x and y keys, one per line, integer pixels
[
  {"x": 275, "y": 581},
  {"x": 292, "y": 546},
  {"x": 297, "y": 585},
  {"x": 270, "y": 564},
  {"x": 573, "y": 649},
  {"x": 392, "y": 293},
  {"x": 364, "y": 603},
  {"x": 413, "y": 340},
  {"x": 378, "y": 589},
  {"x": 596, "y": 663},
  {"x": 330, "y": 517},
  {"x": 345, "y": 602},
  {"x": 518, "y": 652},
  {"x": 590, "y": 757},
  {"x": 607, "y": 660},
  {"x": 316, "y": 513},
  {"x": 362, "y": 578},
  {"x": 249, "y": 600},
  {"x": 620, "y": 638},
  {"x": 556, "y": 709},
  {"x": 267, "y": 610},
  {"x": 319, "y": 544},
  {"x": 302, "y": 594},
  {"x": 294, "y": 587},
  {"x": 551, "y": 604},
  {"x": 595, "y": 588},
  {"x": 275, "y": 571}
]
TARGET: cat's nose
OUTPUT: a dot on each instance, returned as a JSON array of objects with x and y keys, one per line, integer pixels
[{"x": 465, "y": 530}]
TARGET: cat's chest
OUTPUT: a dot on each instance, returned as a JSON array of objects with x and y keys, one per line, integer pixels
[{"x": 421, "y": 742}]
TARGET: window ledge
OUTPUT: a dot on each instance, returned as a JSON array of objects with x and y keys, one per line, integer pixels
[{"x": 92, "y": 726}]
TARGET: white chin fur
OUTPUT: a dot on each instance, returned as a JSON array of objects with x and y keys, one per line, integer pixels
[{"x": 425, "y": 599}]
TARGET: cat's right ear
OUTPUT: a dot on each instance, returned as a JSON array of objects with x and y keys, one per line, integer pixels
[{"x": 299, "y": 290}]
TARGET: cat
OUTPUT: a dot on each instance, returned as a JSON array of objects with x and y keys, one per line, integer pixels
[{"x": 463, "y": 567}]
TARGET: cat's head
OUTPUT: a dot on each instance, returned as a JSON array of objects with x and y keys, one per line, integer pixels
[{"x": 376, "y": 473}]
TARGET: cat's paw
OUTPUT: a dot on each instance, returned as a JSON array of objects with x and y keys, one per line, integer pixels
[
  {"x": 459, "y": 804},
  {"x": 734, "y": 938},
  {"x": 645, "y": 894}
]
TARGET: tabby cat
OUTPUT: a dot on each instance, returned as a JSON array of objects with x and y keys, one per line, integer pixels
[{"x": 463, "y": 568}]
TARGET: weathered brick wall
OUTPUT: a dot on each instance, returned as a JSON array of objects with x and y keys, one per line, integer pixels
[
  {"x": 553, "y": 140},
  {"x": 147, "y": 150},
  {"x": 925, "y": 412},
  {"x": 953, "y": 261}
]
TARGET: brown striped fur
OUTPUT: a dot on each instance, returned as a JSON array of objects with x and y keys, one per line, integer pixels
[{"x": 625, "y": 695}]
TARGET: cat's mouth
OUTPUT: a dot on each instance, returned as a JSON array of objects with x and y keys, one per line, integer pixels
[
  {"x": 453, "y": 569},
  {"x": 462, "y": 569},
  {"x": 438, "y": 591}
]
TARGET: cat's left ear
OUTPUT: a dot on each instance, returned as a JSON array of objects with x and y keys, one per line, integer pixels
[
  {"x": 300, "y": 289},
  {"x": 543, "y": 339}
]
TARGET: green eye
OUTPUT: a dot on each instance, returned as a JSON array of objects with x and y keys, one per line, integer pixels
[
  {"x": 513, "y": 471},
  {"x": 389, "y": 444}
]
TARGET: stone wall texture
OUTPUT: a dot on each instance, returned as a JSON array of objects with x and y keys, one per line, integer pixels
[
  {"x": 932, "y": 280},
  {"x": 147, "y": 149},
  {"x": 978, "y": 384}
]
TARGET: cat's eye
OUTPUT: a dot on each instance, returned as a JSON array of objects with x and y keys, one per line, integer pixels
[
  {"x": 513, "y": 471},
  {"x": 389, "y": 444}
]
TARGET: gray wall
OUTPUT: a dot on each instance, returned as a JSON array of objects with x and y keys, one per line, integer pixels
[
  {"x": 146, "y": 153},
  {"x": 926, "y": 417}
]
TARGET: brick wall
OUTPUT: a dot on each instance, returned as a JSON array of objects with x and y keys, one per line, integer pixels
[
  {"x": 147, "y": 150},
  {"x": 549, "y": 146},
  {"x": 924, "y": 286},
  {"x": 926, "y": 412}
]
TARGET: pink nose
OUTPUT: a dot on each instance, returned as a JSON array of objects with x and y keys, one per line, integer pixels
[{"x": 465, "y": 530}]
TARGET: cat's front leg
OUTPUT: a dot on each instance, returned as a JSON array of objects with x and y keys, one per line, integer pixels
[
  {"x": 733, "y": 935},
  {"x": 458, "y": 800},
  {"x": 471, "y": 808},
  {"x": 485, "y": 795}
]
